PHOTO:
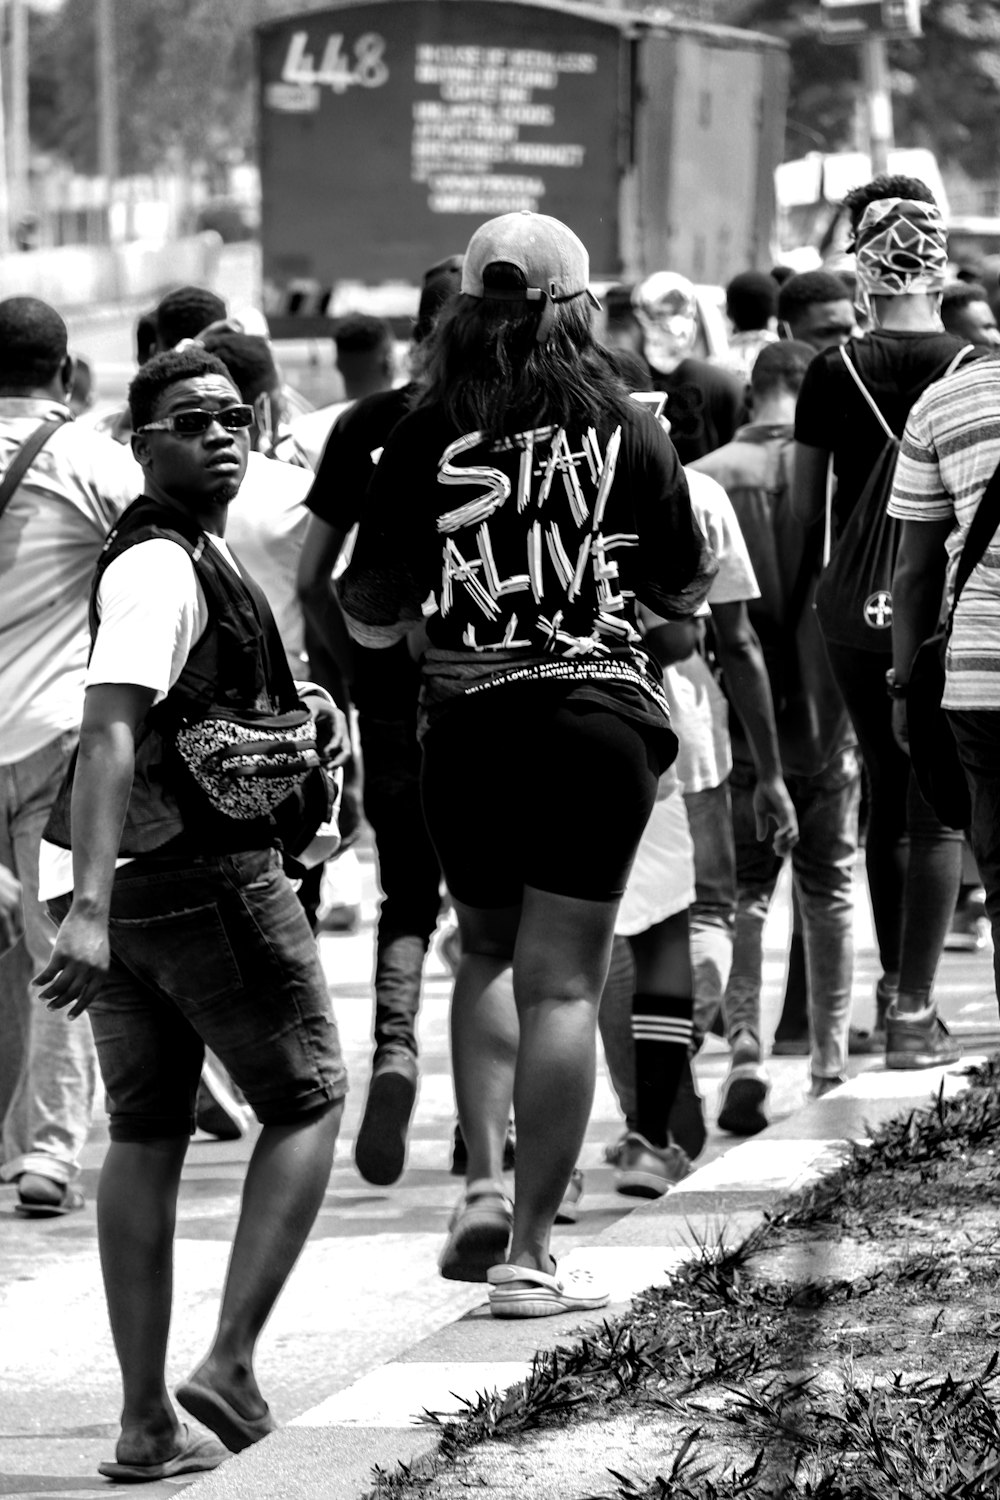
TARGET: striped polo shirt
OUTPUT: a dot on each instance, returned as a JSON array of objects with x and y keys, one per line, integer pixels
[{"x": 950, "y": 450}]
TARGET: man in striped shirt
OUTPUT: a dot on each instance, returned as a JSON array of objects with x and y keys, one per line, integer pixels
[{"x": 950, "y": 450}]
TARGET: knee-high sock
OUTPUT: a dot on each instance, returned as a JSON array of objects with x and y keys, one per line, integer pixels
[{"x": 661, "y": 1029}]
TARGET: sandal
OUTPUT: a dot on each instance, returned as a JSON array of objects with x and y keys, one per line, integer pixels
[
  {"x": 41, "y": 1197},
  {"x": 520, "y": 1292},
  {"x": 478, "y": 1232}
]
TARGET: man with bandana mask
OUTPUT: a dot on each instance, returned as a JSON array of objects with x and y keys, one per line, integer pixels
[
  {"x": 704, "y": 401},
  {"x": 913, "y": 863}
]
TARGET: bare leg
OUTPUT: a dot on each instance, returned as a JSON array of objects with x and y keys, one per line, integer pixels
[
  {"x": 136, "y": 1213},
  {"x": 484, "y": 1036},
  {"x": 561, "y": 963},
  {"x": 286, "y": 1179}
]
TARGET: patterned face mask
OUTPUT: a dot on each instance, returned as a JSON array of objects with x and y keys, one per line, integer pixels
[
  {"x": 901, "y": 248},
  {"x": 667, "y": 312}
]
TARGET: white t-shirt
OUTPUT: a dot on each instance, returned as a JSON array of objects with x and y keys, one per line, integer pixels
[
  {"x": 152, "y": 612},
  {"x": 698, "y": 709},
  {"x": 265, "y": 528},
  {"x": 312, "y": 430},
  {"x": 51, "y": 535},
  {"x": 661, "y": 881}
]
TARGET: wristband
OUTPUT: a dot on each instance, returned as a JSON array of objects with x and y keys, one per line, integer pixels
[{"x": 896, "y": 690}]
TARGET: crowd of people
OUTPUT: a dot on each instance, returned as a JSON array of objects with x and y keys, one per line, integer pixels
[{"x": 545, "y": 616}]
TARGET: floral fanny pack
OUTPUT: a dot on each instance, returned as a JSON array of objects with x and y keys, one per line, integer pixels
[{"x": 248, "y": 764}]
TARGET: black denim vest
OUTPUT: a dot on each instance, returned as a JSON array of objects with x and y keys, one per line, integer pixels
[{"x": 239, "y": 664}]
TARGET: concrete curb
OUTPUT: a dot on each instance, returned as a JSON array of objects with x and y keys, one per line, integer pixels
[{"x": 329, "y": 1453}]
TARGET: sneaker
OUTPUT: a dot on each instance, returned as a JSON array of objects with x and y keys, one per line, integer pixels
[
  {"x": 521, "y": 1292},
  {"x": 862, "y": 1043},
  {"x": 919, "y": 1040},
  {"x": 687, "y": 1117},
  {"x": 970, "y": 926},
  {"x": 646, "y": 1171},
  {"x": 460, "y": 1156},
  {"x": 380, "y": 1148},
  {"x": 218, "y": 1111},
  {"x": 744, "y": 1089},
  {"x": 569, "y": 1208},
  {"x": 478, "y": 1232}
]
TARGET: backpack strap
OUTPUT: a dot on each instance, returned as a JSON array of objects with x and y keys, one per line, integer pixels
[
  {"x": 25, "y": 457},
  {"x": 868, "y": 396},
  {"x": 959, "y": 359}
]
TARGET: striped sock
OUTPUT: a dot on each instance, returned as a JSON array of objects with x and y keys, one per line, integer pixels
[{"x": 661, "y": 1029}]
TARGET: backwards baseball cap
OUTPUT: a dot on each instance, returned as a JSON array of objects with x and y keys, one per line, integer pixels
[
  {"x": 901, "y": 247},
  {"x": 553, "y": 260}
]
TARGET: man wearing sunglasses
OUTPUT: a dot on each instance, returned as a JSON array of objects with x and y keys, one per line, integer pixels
[{"x": 179, "y": 929}]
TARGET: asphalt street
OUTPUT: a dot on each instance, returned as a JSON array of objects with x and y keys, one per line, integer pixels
[{"x": 367, "y": 1287}]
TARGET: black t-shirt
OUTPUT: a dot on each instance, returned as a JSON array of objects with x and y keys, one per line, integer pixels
[
  {"x": 535, "y": 548},
  {"x": 704, "y": 406},
  {"x": 832, "y": 414},
  {"x": 508, "y": 537},
  {"x": 346, "y": 467},
  {"x": 386, "y": 683}
]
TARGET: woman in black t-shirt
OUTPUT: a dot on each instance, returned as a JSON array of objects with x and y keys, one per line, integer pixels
[{"x": 535, "y": 502}]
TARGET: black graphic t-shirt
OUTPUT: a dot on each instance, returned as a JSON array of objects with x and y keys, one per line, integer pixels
[
  {"x": 704, "y": 406},
  {"x": 535, "y": 551}
]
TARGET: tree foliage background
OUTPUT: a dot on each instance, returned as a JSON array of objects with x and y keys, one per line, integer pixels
[
  {"x": 945, "y": 85},
  {"x": 185, "y": 80},
  {"x": 186, "y": 92}
]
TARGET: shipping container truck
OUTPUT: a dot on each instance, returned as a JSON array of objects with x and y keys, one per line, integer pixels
[{"x": 390, "y": 130}]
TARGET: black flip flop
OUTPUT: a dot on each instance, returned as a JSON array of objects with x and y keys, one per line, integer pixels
[{"x": 38, "y": 1208}]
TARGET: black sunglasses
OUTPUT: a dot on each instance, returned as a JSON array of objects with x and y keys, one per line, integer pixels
[{"x": 196, "y": 422}]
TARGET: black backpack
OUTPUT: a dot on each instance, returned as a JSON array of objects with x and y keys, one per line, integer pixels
[{"x": 854, "y": 593}]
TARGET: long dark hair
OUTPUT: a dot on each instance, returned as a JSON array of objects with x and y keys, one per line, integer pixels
[{"x": 484, "y": 366}]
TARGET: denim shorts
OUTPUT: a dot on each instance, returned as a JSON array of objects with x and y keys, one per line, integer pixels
[{"x": 211, "y": 950}]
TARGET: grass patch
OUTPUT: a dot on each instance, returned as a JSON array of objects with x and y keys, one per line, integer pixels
[{"x": 847, "y": 1349}]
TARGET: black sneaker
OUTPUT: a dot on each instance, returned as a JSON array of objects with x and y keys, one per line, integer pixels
[
  {"x": 744, "y": 1089},
  {"x": 380, "y": 1149}
]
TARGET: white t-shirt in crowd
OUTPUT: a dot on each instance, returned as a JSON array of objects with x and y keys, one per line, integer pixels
[
  {"x": 698, "y": 709},
  {"x": 51, "y": 535},
  {"x": 661, "y": 882},
  {"x": 312, "y": 429},
  {"x": 265, "y": 527}
]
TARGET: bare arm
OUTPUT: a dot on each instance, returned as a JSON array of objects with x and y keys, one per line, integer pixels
[
  {"x": 809, "y": 483},
  {"x": 328, "y": 641},
  {"x": 11, "y": 913},
  {"x": 101, "y": 786},
  {"x": 917, "y": 594},
  {"x": 742, "y": 662},
  {"x": 669, "y": 640}
]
